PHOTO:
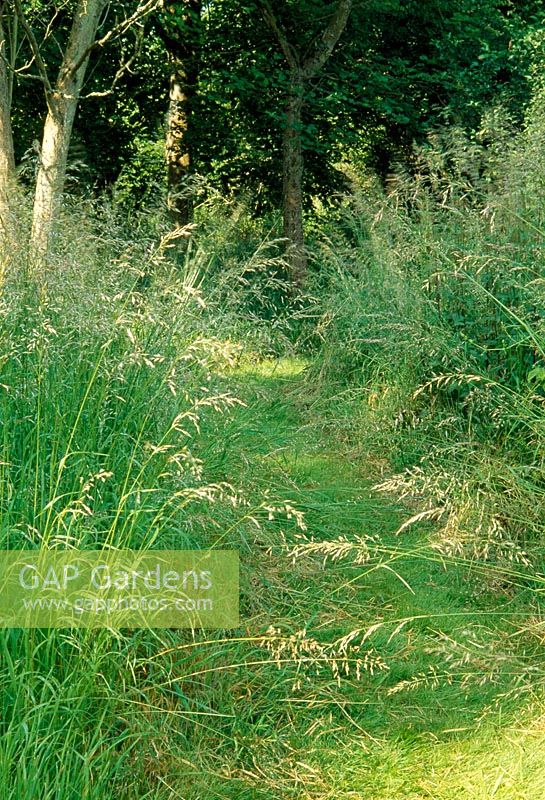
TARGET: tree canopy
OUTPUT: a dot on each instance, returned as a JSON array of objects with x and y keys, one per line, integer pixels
[{"x": 399, "y": 70}]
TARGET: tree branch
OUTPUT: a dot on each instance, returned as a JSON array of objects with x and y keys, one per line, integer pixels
[
  {"x": 124, "y": 66},
  {"x": 118, "y": 30},
  {"x": 328, "y": 39},
  {"x": 35, "y": 48},
  {"x": 290, "y": 53}
]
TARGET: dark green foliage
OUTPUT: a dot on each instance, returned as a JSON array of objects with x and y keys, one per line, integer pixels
[
  {"x": 141, "y": 180},
  {"x": 402, "y": 69}
]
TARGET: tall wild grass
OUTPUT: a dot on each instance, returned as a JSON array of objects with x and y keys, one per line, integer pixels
[
  {"x": 116, "y": 432},
  {"x": 433, "y": 292}
]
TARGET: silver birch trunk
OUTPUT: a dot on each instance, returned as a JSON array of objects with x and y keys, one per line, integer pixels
[
  {"x": 62, "y": 103},
  {"x": 7, "y": 160}
]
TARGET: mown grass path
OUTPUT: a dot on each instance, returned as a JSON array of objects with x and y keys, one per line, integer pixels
[{"x": 456, "y": 713}]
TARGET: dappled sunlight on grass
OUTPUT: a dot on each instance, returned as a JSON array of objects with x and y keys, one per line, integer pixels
[
  {"x": 259, "y": 367},
  {"x": 491, "y": 761},
  {"x": 438, "y": 720}
]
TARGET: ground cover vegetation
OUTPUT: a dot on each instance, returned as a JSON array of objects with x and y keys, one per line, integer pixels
[{"x": 272, "y": 279}]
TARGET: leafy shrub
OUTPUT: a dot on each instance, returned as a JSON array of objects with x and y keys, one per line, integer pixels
[{"x": 141, "y": 180}]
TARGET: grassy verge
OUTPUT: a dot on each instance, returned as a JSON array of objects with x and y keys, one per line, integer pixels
[
  {"x": 371, "y": 661},
  {"x": 446, "y": 682}
]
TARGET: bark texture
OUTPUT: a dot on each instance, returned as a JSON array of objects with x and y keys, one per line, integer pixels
[
  {"x": 184, "y": 51},
  {"x": 292, "y": 179},
  {"x": 7, "y": 160},
  {"x": 62, "y": 101}
]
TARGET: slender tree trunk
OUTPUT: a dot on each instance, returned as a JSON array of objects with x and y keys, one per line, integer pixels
[
  {"x": 292, "y": 183},
  {"x": 302, "y": 70},
  {"x": 62, "y": 103},
  {"x": 178, "y": 153},
  {"x": 7, "y": 159},
  {"x": 184, "y": 50}
]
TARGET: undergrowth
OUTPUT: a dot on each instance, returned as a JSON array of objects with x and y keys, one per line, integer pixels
[
  {"x": 432, "y": 304},
  {"x": 143, "y": 404},
  {"x": 117, "y": 416}
]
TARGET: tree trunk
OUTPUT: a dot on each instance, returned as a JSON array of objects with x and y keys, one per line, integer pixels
[
  {"x": 7, "y": 159},
  {"x": 292, "y": 182},
  {"x": 301, "y": 72},
  {"x": 178, "y": 153},
  {"x": 62, "y": 103},
  {"x": 184, "y": 53}
]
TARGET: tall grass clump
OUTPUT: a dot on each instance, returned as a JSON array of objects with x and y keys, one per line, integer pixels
[
  {"x": 237, "y": 261},
  {"x": 103, "y": 389},
  {"x": 435, "y": 289},
  {"x": 106, "y": 387},
  {"x": 119, "y": 430}
]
